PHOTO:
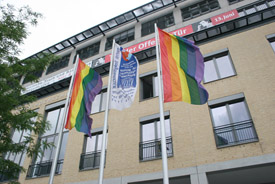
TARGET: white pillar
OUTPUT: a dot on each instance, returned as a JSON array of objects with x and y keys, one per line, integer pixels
[{"x": 199, "y": 178}]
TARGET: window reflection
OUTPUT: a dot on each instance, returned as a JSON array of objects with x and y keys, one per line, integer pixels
[
  {"x": 239, "y": 112},
  {"x": 90, "y": 158},
  {"x": 43, "y": 161},
  {"x": 52, "y": 118},
  {"x": 232, "y": 123},
  {"x": 150, "y": 145},
  {"x": 218, "y": 67},
  {"x": 272, "y": 43},
  {"x": 99, "y": 103},
  {"x": 210, "y": 71},
  {"x": 224, "y": 66},
  {"x": 220, "y": 116},
  {"x": 148, "y": 132}
]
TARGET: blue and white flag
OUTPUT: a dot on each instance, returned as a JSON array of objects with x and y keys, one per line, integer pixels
[{"x": 124, "y": 79}]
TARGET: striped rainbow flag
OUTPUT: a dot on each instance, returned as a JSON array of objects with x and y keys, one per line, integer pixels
[
  {"x": 87, "y": 85},
  {"x": 182, "y": 70}
]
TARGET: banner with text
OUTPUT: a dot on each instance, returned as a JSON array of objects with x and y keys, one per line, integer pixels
[{"x": 124, "y": 79}]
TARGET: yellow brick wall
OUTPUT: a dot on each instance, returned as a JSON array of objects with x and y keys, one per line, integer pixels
[{"x": 191, "y": 126}]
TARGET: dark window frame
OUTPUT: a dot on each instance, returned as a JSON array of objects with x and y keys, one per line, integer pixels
[
  {"x": 102, "y": 101},
  {"x": 271, "y": 40},
  {"x": 146, "y": 55},
  {"x": 232, "y": 133},
  {"x": 93, "y": 157},
  {"x": 89, "y": 51},
  {"x": 151, "y": 149},
  {"x": 40, "y": 166},
  {"x": 150, "y": 79},
  {"x": 198, "y": 9},
  {"x": 63, "y": 62},
  {"x": 230, "y": 2},
  {"x": 121, "y": 38},
  {"x": 214, "y": 57},
  {"x": 163, "y": 22}
]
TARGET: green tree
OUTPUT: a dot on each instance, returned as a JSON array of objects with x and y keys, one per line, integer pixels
[{"x": 15, "y": 113}]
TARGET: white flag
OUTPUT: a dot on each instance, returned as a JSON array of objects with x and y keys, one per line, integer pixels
[{"x": 124, "y": 79}]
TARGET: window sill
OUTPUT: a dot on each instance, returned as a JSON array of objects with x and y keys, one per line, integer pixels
[
  {"x": 152, "y": 159},
  {"x": 219, "y": 79},
  {"x": 41, "y": 176},
  {"x": 150, "y": 98},
  {"x": 89, "y": 168},
  {"x": 238, "y": 143}
]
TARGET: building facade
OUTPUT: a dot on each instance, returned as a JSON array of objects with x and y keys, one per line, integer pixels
[{"x": 230, "y": 139}]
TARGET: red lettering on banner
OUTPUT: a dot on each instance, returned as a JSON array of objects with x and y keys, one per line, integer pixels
[
  {"x": 183, "y": 31},
  {"x": 224, "y": 17},
  {"x": 152, "y": 42},
  {"x": 179, "y": 32}
]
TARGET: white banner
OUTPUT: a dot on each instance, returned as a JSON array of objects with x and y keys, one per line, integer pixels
[{"x": 124, "y": 79}]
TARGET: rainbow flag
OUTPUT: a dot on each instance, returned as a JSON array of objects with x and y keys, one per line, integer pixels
[
  {"x": 87, "y": 85},
  {"x": 182, "y": 70}
]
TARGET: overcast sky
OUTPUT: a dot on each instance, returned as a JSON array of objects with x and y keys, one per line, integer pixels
[{"x": 65, "y": 18}]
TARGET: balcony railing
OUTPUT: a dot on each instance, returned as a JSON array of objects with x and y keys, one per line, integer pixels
[
  {"x": 150, "y": 150},
  {"x": 89, "y": 160},
  {"x": 235, "y": 133},
  {"x": 4, "y": 178},
  {"x": 43, "y": 168}
]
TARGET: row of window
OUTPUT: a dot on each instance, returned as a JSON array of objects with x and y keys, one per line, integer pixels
[
  {"x": 129, "y": 35},
  {"x": 164, "y": 22},
  {"x": 231, "y": 121},
  {"x": 217, "y": 66},
  {"x": 199, "y": 9}
]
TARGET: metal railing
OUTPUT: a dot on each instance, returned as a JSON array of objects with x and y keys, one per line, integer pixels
[
  {"x": 43, "y": 168},
  {"x": 89, "y": 160},
  {"x": 5, "y": 178},
  {"x": 150, "y": 150},
  {"x": 235, "y": 133}
]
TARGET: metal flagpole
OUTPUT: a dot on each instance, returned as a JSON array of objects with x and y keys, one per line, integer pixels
[
  {"x": 64, "y": 118},
  {"x": 162, "y": 125},
  {"x": 102, "y": 155}
]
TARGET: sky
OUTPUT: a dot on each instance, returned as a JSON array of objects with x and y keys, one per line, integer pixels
[{"x": 65, "y": 18}]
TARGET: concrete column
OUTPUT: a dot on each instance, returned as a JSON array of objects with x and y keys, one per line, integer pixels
[
  {"x": 194, "y": 179},
  {"x": 202, "y": 178},
  {"x": 199, "y": 178}
]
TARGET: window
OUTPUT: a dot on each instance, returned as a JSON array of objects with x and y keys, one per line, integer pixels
[
  {"x": 232, "y": 122},
  {"x": 18, "y": 137},
  {"x": 150, "y": 143},
  {"x": 89, "y": 51},
  {"x": 99, "y": 103},
  {"x": 42, "y": 163},
  {"x": 59, "y": 64},
  {"x": 146, "y": 55},
  {"x": 90, "y": 158},
  {"x": 233, "y": 1},
  {"x": 162, "y": 22},
  {"x": 271, "y": 40},
  {"x": 37, "y": 74},
  {"x": 198, "y": 9},
  {"x": 218, "y": 66},
  {"x": 121, "y": 38},
  {"x": 258, "y": 6},
  {"x": 148, "y": 85}
]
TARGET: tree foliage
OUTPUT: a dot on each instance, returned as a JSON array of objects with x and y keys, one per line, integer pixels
[{"x": 15, "y": 113}]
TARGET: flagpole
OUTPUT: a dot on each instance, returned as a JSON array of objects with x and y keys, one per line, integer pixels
[
  {"x": 102, "y": 155},
  {"x": 64, "y": 118},
  {"x": 162, "y": 125}
]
